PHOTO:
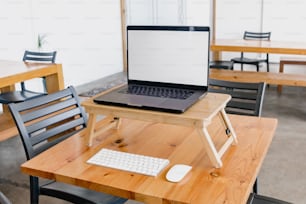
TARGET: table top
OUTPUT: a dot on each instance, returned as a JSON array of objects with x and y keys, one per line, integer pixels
[
  {"x": 272, "y": 46},
  {"x": 12, "y": 72},
  {"x": 232, "y": 183},
  {"x": 199, "y": 113}
]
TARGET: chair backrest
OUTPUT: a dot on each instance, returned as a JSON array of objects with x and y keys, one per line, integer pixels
[
  {"x": 247, "y": 98},
  {"x": 41, "y": 57},
  {"x": 45, "y": 57},
  {"x": 43, "y": 122},
  {"x": 256, "y": 35}
]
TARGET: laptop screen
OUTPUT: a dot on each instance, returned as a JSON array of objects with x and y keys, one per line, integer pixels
[{"x": 168, "y": 54}]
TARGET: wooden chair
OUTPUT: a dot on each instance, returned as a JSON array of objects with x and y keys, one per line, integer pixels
[
  {"x": 247, "y": 99},
  {"x": 244, "y": 60},
  {"x": 26, "y": 94},
  {"x": 45, "y": 121}
]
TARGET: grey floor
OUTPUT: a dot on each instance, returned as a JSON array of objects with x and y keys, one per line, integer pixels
[{"x": 282, "y": 175}]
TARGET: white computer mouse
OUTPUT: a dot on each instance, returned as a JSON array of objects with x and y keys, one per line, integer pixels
[{"x": 177, "y": 172}]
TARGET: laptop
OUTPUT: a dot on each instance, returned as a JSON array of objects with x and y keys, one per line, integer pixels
[{"x": 167, "y": 68}]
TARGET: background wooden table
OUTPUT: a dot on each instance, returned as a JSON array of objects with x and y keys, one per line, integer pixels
[
  {"x": 13, "y": 72},
  {"x": 273, "y": 47},
  {"x": 232, "y": 183}
]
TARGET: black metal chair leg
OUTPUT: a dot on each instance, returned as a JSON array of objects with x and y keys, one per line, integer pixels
[
  {"x": 34, "y": 190},
  {"x": 255, "y": 190}
]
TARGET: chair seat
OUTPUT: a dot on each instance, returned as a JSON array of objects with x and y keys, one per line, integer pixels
[
  {"x": 18, "y": 96},
  {"x": 259, "y": 199},
  {"x": 77, "y": 194},
  {"x": 221, "y": 65},
  {"x": 247, "y": 60}
]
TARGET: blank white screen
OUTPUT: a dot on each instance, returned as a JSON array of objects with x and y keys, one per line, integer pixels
[{"x": 179, "y": 57}]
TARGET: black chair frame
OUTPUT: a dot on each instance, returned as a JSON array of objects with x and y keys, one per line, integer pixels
[{"x": 256, "y": 62}]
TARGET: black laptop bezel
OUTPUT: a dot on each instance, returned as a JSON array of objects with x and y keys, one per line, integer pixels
[{"x": 169, "y": 28}]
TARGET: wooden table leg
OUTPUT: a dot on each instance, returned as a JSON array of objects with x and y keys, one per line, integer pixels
[
  {"x": 217, "y": 55},
  {"x": 9, "y": 88},
  {"x": 281, "y": 70},
  {"x": 55, "y": 82}
]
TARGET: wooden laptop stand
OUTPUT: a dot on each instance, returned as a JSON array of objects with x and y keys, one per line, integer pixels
[{"x": 198, "y": 116}]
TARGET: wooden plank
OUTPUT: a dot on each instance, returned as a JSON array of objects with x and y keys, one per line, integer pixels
[
  {"x": 268, "y": 77},
  {"x": 123, "y": 33}
]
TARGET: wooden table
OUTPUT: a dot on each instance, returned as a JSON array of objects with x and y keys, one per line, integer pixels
[
  {"x": 232, "y": 183},
  {"x": 13, "y": 72},
  {"x": 273, "y": 47},
  {"x": 198, "y": 116}
]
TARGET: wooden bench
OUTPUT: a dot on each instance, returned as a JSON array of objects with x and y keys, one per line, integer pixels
[
  {"x": 293, "y": 61},
  {"x": 268, "y": 77}
]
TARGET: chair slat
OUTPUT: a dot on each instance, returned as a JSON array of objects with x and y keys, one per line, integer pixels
[
  {"x": 45, "y": 123},
  {"x": 39, "y": 56},
  {"x": 59, "y": 105},
  {"x": 50, "y": 133},
  {"x": 44, "y": 100},
  {"x": 242, "y": 105}
]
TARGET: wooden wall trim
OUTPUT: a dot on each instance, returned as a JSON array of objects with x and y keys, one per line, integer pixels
[{"x": 123, "y": 32}]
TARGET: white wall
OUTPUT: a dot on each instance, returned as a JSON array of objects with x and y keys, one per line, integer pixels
[
  {"x": 233, "y": 17},
  {"x": 86, "y": 34},
  {"x": 168, "y": 12},
  {"x": 284, "y": 18}
]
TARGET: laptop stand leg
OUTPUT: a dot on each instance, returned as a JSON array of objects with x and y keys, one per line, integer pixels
[
  {"x": 95, "y": 128},
  {"x": 229, "y": 128},
  {"x": 213, "y": 154},
  {"x": 118, "y": 122},
  {"x": 91, "y": 128},
  {"x": 210, "y": 147}
]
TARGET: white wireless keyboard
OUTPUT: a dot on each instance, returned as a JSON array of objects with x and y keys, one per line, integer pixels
[{"x": 136, "y": 163}]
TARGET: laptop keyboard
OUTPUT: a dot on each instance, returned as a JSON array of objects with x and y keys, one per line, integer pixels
[{"x": 161, "y": 92}]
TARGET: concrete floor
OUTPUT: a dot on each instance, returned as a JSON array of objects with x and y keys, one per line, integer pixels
[{"x": 282, "y": 175}]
